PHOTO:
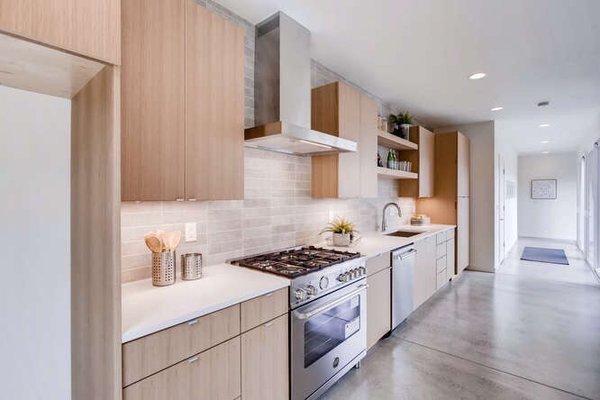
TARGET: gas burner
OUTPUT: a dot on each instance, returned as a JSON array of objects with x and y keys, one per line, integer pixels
[{"x": 296, "y": 262}]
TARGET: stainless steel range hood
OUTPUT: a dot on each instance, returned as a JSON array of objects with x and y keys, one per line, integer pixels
[{"x": 282, "y": 92}]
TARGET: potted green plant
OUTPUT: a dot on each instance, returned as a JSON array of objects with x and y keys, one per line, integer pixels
[
  {"x": 342, "y": 231},
  {"x": 402, "y": 123}
]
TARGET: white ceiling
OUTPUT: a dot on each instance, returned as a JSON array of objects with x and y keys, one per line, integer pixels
[{"x": 417, "y": 55}]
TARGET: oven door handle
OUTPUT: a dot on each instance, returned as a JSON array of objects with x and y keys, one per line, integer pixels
[{"x": 334, "y": 303}]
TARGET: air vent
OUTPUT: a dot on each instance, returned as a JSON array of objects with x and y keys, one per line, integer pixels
[{"x": 543, "y": 104}]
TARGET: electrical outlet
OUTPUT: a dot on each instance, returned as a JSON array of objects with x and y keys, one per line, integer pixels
[{"x": 190, "y": 232}]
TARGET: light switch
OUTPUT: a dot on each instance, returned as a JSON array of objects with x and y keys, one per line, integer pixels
[{"x": 190, "y": 232}]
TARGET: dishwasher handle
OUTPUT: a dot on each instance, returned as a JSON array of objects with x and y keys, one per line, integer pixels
[{"x": 406, "y": 255}]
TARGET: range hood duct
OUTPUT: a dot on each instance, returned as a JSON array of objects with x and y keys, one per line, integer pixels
[{"x": 282, "y": 92}]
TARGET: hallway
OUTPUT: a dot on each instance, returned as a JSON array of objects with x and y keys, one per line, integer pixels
[{"x": 489, "y": 336}]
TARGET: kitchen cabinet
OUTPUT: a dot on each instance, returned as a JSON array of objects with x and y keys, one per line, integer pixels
[
  {"x": 450, "y": 254},
  {"x": 422, "y": 161},
  {"x": 183, "y": 103},
  {"x": 214, "y": 374},
  {"x": 379, "y": 294},
  {"x": 425, "y": 272},
  {"x": 89, "y": 28},
  {"x": 450, "y": 205},
  {"x": 341, "y": 110},
  {"x": 264, "y": 308},
  {"x": 265, "y": 361}
]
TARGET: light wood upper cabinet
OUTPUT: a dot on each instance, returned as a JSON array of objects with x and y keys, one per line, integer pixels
[
  {"x": 214, "y": 374},
  {"x": 265, "y": 361},
  {"x": 214, "y": 119},
  {"x": 379, "y": 310},
  {"x": 340, "y": 110},
  {"x": 463, "y": 160},
  {"x": 153, "y": 106},
  {"x": 89, "y": 28},
  {"x": 183, "y": 103},
  {"x": 423, "y": 161}
]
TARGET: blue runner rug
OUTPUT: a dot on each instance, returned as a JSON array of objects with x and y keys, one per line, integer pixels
[{"x": 552, "y": 256}]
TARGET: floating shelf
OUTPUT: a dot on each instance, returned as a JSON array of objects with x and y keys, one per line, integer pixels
[
  {"x": 394, "y": 142},
  {"x": 396, "y": 174}
]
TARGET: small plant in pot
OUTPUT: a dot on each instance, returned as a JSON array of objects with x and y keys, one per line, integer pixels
[
  {"x": 402, "y": 123},
  {"x": 342, "y": 231}
]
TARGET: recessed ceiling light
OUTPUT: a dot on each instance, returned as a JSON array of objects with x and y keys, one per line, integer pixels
[
  {"x": 545, "y": 142},
  {"x": 476, "y": 76},
  {"x": 544, "y": 125},
  {"x": 497, "y": 108},
  {"x": 545, "y": 152}
]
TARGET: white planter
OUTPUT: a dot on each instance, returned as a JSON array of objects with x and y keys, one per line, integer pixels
[{"x": 342, "y": 239}]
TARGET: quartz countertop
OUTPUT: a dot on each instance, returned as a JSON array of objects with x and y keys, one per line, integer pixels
[
  {"x": 372, "y": 244},
  {"x": 147, "y": 309}
]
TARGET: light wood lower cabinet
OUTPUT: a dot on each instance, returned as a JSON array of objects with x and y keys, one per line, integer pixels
[
  {"x": 379, "y": 303},
  {"x": 265, "y": 361},
  {"x": 425, "y": 272},
  {"x": 214, "y": 374},
  {"x": 264, "y": 308}
]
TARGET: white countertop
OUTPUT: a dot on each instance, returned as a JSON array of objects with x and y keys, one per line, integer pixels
[
  {"x": 372, "y": 244},
  {"x": 147, "y": 309}
]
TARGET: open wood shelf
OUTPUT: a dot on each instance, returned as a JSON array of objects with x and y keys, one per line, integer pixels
[
  {"x": 396, "y": 174},
  {"x": 394, "y": 142}
]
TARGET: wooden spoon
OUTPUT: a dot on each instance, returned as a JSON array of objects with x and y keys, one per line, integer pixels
[{"x": 153, "y": 242}]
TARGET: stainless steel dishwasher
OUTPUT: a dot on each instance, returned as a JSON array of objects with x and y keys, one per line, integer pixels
[{"x": 403, "y": 264}]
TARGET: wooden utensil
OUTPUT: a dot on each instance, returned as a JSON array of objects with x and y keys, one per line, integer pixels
[{"x": 153, "y": 242}]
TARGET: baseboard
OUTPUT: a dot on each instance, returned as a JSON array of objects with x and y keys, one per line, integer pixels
[{"x": 557, "y": 240}]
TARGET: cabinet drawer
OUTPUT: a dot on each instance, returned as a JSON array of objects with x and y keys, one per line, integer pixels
[
  {"x": 214, "y": 374},
  {"x": 440, "y": 250},
  {"x": 440, "y": 237},
  {"x": 442, "y": 278},
  {"x": 378, "y": 263},
  {"x": 152, "y": 353},
  {"x": 264, "y": 308},
  {"x": 440, "y": 264}
]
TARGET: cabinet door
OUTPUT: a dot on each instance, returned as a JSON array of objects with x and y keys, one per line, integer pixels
[
  {"x": 349, "y": 122},
  {"x": 214, "y": 118},
  {"x": 450, "y": 254},
  {"x": 425, "y": 274},
  {"x": 153, "y": 95},
  {"x": 89, "y": 28},
  {"x": 214, "y": 374},
  {"x": 462, "y": 234},
  {"x": 367, "y": 147},
  {"x": 463, "y": 164},
  {"x": 265, "y": 361},
  {"x": 426, "y": 162},
  {"x": 379, "y": 311}
]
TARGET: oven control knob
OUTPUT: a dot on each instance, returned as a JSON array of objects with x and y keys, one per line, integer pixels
[
  {"x": 362, "y": 271},
  {"x": 300, "y": 294},
  {"x": 311, "y": 290},
  {"x": 345, "y": 277},
  {"x": 324, "y": 282}
]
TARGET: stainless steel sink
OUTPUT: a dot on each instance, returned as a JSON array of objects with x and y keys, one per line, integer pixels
[{"x": 403, "y": 233}]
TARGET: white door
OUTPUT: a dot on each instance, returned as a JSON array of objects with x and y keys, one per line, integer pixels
[
  {"x": 581, "y": 209},
  {"x": 501, "y": 210}
]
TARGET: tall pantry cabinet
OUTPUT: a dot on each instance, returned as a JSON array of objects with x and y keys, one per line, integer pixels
[
  {"x": 452, "y": 194},
  {"x": 182, "y": 103}
]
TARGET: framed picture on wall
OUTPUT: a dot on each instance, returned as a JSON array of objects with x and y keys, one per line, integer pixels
[{"x": 543, "y": 189}]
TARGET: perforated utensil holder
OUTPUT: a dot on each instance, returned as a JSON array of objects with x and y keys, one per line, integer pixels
[
  {"x": 163, "y": 268},
  {"x": 191, "y": 266}
]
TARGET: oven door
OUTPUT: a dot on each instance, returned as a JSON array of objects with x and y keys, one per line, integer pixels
[{"x": 326, "y": 335}]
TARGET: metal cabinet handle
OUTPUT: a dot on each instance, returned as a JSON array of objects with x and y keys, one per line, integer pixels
[
  {"x": 179, "y": 199},
  {"x": 328, "y": 306},
  {"x": 191, "y": 199},
  {"x": 269, "y": 294},
  {"x": 193, "y": 360},
  {"x": 193, "y": 322},
  {"x": 268, "y": 324}
]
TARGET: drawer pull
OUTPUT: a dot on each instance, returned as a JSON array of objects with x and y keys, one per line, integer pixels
[
  {"x": 268, "y": 324},
  {"x": 269, "y": 294},
  {"x": 193, "y": 360},
  {"x": 193, "y": 322}
]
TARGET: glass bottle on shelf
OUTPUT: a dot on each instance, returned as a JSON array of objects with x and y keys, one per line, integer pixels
[{"x": 390, "y": 159}]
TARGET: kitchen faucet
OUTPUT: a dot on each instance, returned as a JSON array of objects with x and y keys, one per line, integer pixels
[{"x": 383, "y": 223}]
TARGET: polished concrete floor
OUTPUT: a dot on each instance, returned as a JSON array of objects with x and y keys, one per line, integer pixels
[{"x": 489, "y": 336}]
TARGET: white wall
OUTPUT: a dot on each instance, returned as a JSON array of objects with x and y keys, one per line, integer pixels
[
  {"x": 506, "y": 151},
  {"x": 35, "y": 360},
  {"x": 552, "y": 219},
  {"x": 482, "y": 227}
]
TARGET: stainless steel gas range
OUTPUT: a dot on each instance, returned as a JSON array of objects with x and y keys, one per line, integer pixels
[{"x": 328, "y": 303}]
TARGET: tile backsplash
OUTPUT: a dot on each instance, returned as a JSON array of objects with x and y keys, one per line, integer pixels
[{"x": 277, "y": 210}]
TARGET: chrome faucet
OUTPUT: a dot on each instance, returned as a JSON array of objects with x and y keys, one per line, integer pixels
[{"x": 383, "y": 223}]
